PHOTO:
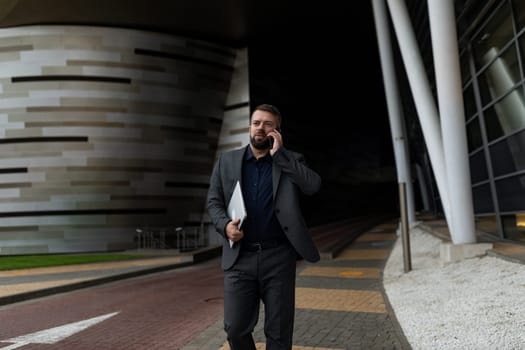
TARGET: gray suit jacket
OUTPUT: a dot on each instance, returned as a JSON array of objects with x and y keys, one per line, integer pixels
[{"x": 290, "y": 177}]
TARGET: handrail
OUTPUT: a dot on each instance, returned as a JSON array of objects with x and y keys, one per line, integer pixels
[{"x": 170, "y": 238}]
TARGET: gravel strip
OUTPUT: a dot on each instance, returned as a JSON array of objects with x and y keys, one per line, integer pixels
[{"x": 477, "y": 303}]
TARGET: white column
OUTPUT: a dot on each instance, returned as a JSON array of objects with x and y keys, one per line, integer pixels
[
  {"x": 395, "y": 114},
  {"x": 425, "y": 105},
  {"x": 450, "y": 99}
]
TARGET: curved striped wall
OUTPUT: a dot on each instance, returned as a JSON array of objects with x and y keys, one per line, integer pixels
[
  {"x": 104, "y": 130},
  {"x": 236, "y": 120}
]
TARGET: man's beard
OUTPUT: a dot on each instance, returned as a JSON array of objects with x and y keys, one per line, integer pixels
[{"x": 265, "y": 144}]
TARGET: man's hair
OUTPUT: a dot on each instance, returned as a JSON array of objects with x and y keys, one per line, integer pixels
[{"x": 270, "y": 109}]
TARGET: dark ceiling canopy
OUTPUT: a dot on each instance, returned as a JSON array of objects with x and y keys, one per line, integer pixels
[{"x": 231, "y": 22}]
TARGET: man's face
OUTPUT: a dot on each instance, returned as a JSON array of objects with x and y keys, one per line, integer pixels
[{"x": 261, "y": 124}]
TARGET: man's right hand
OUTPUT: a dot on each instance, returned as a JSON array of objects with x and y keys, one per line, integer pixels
[{"x": 232, "y": 230}]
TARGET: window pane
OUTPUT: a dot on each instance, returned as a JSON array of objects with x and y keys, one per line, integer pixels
[
  {"x": 519, "y": 13},
  {"x": 493, "y": 36},
  {"x": 478, "y": 167},
  {"x": 506, "y": 116},
  {"x": 482, "y": 199},
  {"x": 514, "y": 226},
  {"x": 484, "y": 92},
  {"x": 511, "y": 193},
  {"x": 473, "y": 135},
  {"x": 487, "y": 224},
  {"x": 465, "y": 70},
  {"x": 508, "y": 155},
  {"x": 501, "y": 76},
  {"x": 469, "y": 102}
]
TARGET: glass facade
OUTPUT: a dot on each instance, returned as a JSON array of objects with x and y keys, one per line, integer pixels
[
  {"x": 494, "y": 55},
  {"x": 491, "y": 42}
]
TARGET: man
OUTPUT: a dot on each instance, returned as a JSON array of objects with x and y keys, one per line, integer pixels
[{"x": 261, "y": 263}]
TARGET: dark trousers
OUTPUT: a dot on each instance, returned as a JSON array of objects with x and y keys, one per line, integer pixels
[{"x": 269, "y": 276}]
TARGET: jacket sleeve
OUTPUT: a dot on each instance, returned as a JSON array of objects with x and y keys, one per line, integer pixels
[
  {"x": 216, "y": 202},
  {"x": 294, "y": 166}
]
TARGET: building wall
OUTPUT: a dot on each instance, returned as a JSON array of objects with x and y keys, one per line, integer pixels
[
  {"x": 235, "y": 123},
  {"x": 492, "y": 58},
  {"x": 493, "y": 63},
  {"x": 236, "y": 120},
  {"x": 104, "y": 130}
]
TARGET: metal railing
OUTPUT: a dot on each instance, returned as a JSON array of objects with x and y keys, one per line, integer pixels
[{"x": 181, "y": 238}]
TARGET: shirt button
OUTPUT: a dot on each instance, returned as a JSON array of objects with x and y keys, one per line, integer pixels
[
  {"x": 277, "y": 211},
  {"x": 286, "y": 228}
]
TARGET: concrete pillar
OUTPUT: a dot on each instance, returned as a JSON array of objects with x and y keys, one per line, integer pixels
[
  {"x": 395, "y": 115},
  {"x": 425, "y": 105},
  {"x": 450, "y": 99}
]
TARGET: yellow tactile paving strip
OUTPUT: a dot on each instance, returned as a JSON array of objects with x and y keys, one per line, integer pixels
[
  {"x": 367, "y": 237},
  {"x": 262, "y": 346},
  {"x": 346, "y": 272},
  {"x": 339, "y": 300},
  {"x": 387, "y": 227},
  {"x": 363, "y": 254}
]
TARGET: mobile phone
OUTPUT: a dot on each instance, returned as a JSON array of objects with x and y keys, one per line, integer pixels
[{"x": 270, "y": 139}]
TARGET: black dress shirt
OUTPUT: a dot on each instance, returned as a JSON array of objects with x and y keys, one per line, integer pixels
[{"x": 261, "y": 223}]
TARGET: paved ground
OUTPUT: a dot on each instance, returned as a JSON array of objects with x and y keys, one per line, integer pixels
[
  {"x": 340, "y": 303},
  {"x": 158, "y": 311},
  {"x": 25, "y": 284}
]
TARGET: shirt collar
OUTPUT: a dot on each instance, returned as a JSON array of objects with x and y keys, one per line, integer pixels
[{"x": 248, "y": 155}]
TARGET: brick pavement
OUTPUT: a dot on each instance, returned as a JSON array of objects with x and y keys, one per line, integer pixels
[
  {"x": 155, "y": 311},
  {"x": 340, "y": 303},
  {"x": 24, "y": 284}
]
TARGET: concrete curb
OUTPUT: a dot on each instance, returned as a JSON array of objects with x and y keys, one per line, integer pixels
[{"x": 193, "y": 258}]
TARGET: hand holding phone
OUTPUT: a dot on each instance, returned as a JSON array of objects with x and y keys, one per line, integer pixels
[{"x": 275, "y": 139}]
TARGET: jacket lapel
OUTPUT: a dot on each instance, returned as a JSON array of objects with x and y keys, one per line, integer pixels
[
  {"x": 276, "y": 176},
  {"x": 237, "y": 164}
]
